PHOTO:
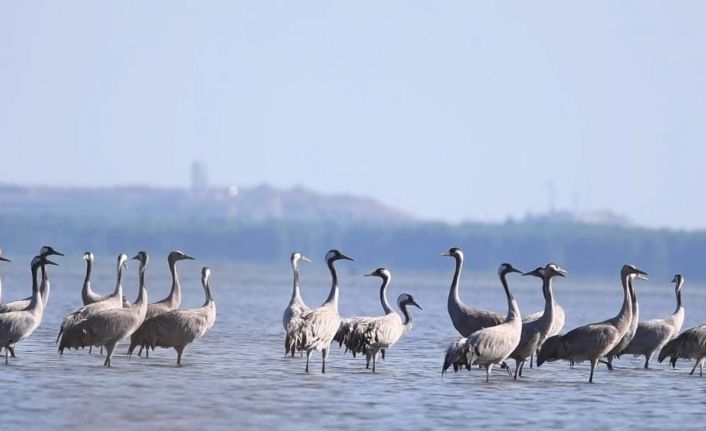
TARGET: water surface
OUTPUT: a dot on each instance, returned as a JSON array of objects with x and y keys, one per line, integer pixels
[{"x": 237, "y": 377}]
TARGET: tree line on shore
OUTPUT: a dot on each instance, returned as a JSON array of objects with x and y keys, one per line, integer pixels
[{"x": 583, "y": 249}]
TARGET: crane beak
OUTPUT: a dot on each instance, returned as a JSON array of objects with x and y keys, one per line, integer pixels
[
  {"x": 188, "y": 257},
  {"x": 57, "y": 253},
  {"x": 305, "y": 259},
  {"x": 515, "y": 270},
  {"x": 674, "y": 280},
  {"x": 370, "y": 274},
  {"x": 343, "y": 256},
  {"x": 561, "y": 273},
  {"x": 136, "y": 257},
  {"x": 446, "y": 253},
  {"x": 4, "y": 259},
  {"x": 642, "y": 275},
  {"x": 48, "y": 262},
  {"x": 416, "y": 305},
  {"x": 530, "y": 273}
]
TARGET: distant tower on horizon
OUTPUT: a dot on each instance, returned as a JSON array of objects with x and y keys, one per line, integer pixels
[{"x": 199, "y": 177}]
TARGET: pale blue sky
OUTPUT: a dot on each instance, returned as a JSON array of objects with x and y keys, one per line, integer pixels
[{"x": 448, "y": 110}]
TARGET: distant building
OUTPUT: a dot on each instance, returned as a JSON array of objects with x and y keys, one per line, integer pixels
[{"x": 199, "y": 178}]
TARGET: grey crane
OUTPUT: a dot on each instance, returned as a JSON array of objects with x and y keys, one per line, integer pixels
[
  {"x": 2, "y": 259},
  {"x": 106, "y": 327},
  {"x": 348, "y": 331},
  {"x": 295, "y": 308},
  {"x": 690, "y": 344},
  {"x": 370, "y": 336},
  {"x": 536, "y": 331},
  {"x": 44, "y": 289},
  {"x": 465, "y": 319},
  {"x": 632, "y": 329},
  {"x": 557, "y": 323},
  {"x": 171, "y": 302},
  {"x": 178, "y": 328},
  {"x": 44, "y": 286},
  {"x": 318, "y": 326},
  {"x": 593, "y": 341},
  {"x": 652, "y": 335},
  {"x": 114, "y": 300},
  {"x": 15, "y": 326},
  {"x": 491, "y": 345},
  {"x": 87, "y": 294}
]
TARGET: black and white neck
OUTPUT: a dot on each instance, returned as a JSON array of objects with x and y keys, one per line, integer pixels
[
  {"x": 456, "y": 281},
  {"x": 331, "y": 257},
  {"x": 679, "y": 280},
  {"x": 513, "y": 310}
]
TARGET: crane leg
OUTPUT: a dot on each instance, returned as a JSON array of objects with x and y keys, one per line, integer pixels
[
  {"x": 179, "y": 351},
  {"x": 593, "y": 367},
  {"x": 7, "y": 356},
  {"x": 647, "y": 360},
  {"x": 375, "y": 359},
  {"x": 323, "y": 360},
  {"x": 12, "y": 350},
  {"x": 308, "y": 355},
  {"x": 517, "y": 368},
  {"x": 109, "y": 353},
  {"x": 531, "y": 360},
  {"x": 609, "y": 363},
  {"x": 488, "y": 369},
  {"x": 139, "y": 352}
]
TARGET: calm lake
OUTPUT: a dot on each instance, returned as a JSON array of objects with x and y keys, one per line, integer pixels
[{"x": 237, "y": 378}]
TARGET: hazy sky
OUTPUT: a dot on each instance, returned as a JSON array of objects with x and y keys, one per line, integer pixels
[{"x": 449, "y": 110}]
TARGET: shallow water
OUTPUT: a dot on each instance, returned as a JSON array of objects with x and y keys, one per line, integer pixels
[{"x": 236, "y": 376}]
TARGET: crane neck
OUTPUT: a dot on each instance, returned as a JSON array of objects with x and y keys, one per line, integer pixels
[
  {"x": 118, "y": 292},
  {"x": 633, "y": 299},
  {"x": 295, "y": 285},
  {"x": 141, "y": 301},
  {"x": 454, "y": 297},
  {"x": 207, "y": 291},
  {"x": 333, "y": 294},
  {"x": 383, "y": 295},
  {"x": 623, "y": 318},
  {"x": 548, "y": 298},
  {"x": 87, "y": 280},
  {"x": 44, "y": 286},
  {"x": 513, "y": 310},
  {"x": 175, "y": 293},
  {"x": 679, "y": 304},
  {"x": 35, "y": 301},
  {"x": 407, "y": 316}
]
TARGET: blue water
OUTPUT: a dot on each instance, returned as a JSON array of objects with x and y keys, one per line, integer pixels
[{"x": 237, "y": 378}]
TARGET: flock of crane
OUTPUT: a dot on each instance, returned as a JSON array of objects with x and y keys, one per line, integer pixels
[
  {"x": 489, "y": 338},
  {"x": 104, "y": 320}
]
